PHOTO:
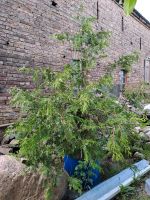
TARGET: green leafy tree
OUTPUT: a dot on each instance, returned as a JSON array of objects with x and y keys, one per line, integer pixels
[{"x": 68, "y": 114}]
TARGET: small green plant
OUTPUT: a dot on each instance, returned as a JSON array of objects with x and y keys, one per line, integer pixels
[
  {"x": 66, "y": 114},
  {"x": 134, "y": 191},
  {"x": 126, "y": 192},
  {"x": 125, "y": 62},
  {"x": 146, "y": 151},
  {"x": 134, "y": 170},
  {"x": 137, "y": 95}
]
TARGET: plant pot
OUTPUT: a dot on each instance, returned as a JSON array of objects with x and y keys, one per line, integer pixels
[{"x": 71, "y": 164}]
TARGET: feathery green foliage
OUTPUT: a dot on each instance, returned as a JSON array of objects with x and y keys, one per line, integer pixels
[{"x": 67, "y": 114}]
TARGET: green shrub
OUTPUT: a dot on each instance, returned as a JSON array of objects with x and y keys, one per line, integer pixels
[{"x": 67, "y": 114}]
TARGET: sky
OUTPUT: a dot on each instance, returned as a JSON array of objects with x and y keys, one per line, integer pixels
[{"x": 143, "y": 6}]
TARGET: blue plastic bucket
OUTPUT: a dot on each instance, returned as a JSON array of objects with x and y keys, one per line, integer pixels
[{"x": 71, "y": 163}]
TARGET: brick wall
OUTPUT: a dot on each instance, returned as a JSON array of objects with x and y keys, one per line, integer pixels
[{"x": 26, "y": 27}]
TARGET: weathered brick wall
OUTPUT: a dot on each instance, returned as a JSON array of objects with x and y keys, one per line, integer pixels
[
  {"x": 127, "y": 40},
  {"x": 26, "y": 27}
]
